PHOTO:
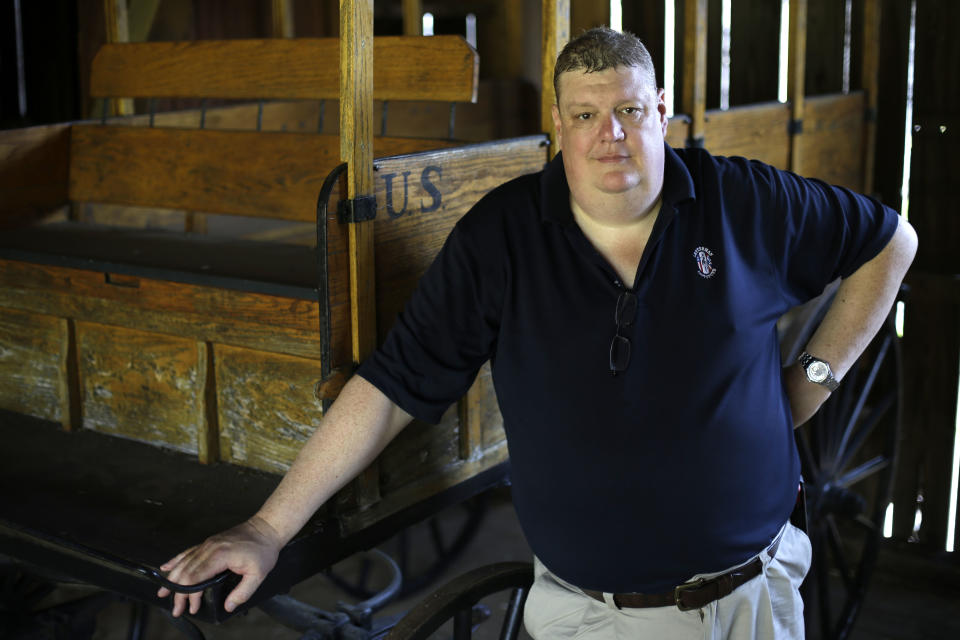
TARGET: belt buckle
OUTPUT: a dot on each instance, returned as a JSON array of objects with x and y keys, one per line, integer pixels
[{"x": 686, "y": 586}]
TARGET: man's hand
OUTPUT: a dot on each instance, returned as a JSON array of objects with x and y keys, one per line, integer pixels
[
  {"x": 249, "y": 550},
  {"x": 805, "y": 396}
]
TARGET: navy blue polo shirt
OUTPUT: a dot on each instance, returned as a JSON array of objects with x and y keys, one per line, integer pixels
[{"x": 685, "y": 463}]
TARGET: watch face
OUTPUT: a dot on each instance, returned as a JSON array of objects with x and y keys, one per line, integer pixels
[{"x": 818, "y": 371}]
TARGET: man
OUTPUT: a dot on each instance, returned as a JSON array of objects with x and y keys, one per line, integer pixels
[{"x": 627, "y": 296}]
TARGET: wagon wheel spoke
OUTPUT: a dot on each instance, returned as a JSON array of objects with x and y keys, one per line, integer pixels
[
  {"x": 854, "y": 416},
  {"x": 863, "y": 432},
  {"x": 823, "y": 587},
  {"x": 865, "y": 470},
  {"x": 839, "y": 554}
]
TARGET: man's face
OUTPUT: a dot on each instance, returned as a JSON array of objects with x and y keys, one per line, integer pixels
[{"x": 610, "y": 126}]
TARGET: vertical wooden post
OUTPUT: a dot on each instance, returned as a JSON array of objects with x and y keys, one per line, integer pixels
[
  {"x": 796, "y": 73},
  {"x": 412, "y": 17},
  {"x": 870, "y": 82},
  {"x": 117, "y": 30},
  {"x": 555, "y": 25},
  {"x": 356, "y": 149},
  {"x": 281, "y": 14},
  {"x": 695, "y": 68}
]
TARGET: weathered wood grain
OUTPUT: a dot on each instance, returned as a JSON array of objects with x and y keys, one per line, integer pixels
[
  {"x": 758, "y": 132},
  {"x": 33, "y": 172},
  {"x": 554, "y": 34},
  {"x": 33, "y": 358},
  {"x": 204, "y": 313},
  {"x": 261, "y": 174},
  {"x": 266, "y": 406},
  {"x": 356, "y": 149},
  {"x": 832, "y": 140},
  {"x": 421, "y": 196},
  {"x": 443, "y": 68},
  {"x": 141, "y": 385}
]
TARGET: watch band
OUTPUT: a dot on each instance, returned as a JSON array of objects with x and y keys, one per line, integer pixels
[{"x": 818, "y": 371}]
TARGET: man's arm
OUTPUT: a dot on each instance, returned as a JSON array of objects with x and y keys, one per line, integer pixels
[
  {"x": 355, "y": 430},
  {"x": 862, "y": 302}
]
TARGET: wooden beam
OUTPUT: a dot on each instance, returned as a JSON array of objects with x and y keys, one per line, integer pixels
[
  {"x": 412, "y": 17},
  {"x": 281, "y": 14},
  {"x": 870, "y": 82},
  {"x": 695, "y": 68},
  {"x": 796, "y": 74},
  {"x": 117, "y": 30},
  {"x": 555, "y": 24},
  {"x": 356, "y": 149},
  {"x": 441, "y": 68}
]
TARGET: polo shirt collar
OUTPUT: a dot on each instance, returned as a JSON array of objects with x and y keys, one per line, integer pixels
[{"x": 555, "y": 193}]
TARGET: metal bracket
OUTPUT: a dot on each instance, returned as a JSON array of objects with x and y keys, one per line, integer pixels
[
  {"x": 360, "y": 209},
  {"x": 795, "y": 127},
  {"x": 695, "y": 143}
]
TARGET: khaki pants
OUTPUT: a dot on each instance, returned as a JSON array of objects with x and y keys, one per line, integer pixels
[{"x": 766, "y": 607}]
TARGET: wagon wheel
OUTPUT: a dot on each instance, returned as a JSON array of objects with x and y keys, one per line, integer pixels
[
  {"x": 456, "y": 611},
  {"x": 848, "y": 453},
  {"x": 422, "y": 551}
]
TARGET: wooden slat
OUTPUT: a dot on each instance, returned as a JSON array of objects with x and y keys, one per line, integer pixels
[
  {"x": 33, "y": 365},
  {"x": 555, "y": 32},
  {"x": 117, "y": 30},
  {"x": 268, "y": 175},
  {"x": 356, "y": 149},
  {"x": 796, "y": 75},
  {"x": 412, "y": 17},
  {"x": 421, "y": 196},
  {"x": 758, "y": 132},
  {"x": 870, "y": 81},
  {"x": 443, "y": 68},
  {"x": 266, "y": 406},
  {"x": 141, "y": 385},
  {"x": 281, "y": 18},
  {"x": 832, "y": 139},
  {"x": 695, "y": 66},
  {"x": 203, "y": 313},
  {"x": 33, "y": 172}
]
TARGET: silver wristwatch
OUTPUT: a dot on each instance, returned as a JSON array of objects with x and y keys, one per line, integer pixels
[{"x": 818, "y": 371}]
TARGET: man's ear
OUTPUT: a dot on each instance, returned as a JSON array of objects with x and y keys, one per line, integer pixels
[
  {"x": 557, "y": 126},
  {"x": 662, "y": 110}
]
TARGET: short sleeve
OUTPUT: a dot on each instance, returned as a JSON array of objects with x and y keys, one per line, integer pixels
[
  {"x": 826, "y": 232},
  {"x": 446, "y": 331}
]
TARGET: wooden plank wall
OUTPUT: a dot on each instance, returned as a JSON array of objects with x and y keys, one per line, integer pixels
[{"x": 932, "y": 322}]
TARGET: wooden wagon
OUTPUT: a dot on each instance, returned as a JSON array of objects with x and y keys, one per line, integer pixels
[
  {"x": 155, "y": 382},
  {"x": 213, "y": 359}
]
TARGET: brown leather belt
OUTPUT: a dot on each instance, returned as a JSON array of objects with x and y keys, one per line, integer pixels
[{"x": 695, "y": 594}]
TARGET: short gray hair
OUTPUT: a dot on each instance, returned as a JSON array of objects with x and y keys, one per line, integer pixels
[{"x": 604, "y": 48}]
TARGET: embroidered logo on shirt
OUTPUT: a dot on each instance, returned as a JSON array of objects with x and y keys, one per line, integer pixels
[{"x": 704, "y": 258}]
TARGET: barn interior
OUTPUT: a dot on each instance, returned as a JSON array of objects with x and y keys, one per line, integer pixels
[{"x": 163, "y": 163}]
